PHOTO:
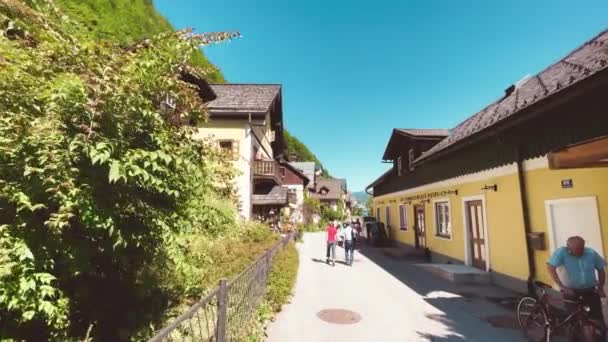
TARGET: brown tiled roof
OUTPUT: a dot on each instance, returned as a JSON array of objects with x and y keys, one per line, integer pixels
[
  {"x": 276, "y": 196},
  {"x": 334, "y": 187},
  {"x": 424, "y": 132},
  {"x": 243, "y": 98},
  {"x": 583, "y": 62}
]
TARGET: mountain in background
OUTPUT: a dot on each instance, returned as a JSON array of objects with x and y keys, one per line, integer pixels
[
  {"x": 128, "y": 21},
  {"x": 361, "y": 197}
]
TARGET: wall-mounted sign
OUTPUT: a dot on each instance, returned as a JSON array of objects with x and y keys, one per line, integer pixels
[{"x": 567, "y": 183}]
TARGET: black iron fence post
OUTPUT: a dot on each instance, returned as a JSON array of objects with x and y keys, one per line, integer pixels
[{"x": 222, "y": 311}]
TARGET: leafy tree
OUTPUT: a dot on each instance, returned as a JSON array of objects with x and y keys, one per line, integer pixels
[
  {"x": 369, "y": 206},
  {"x": 99, "y": 177}
]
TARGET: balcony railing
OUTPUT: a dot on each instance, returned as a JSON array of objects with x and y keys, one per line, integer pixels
[{"x": 267, "y": 169}]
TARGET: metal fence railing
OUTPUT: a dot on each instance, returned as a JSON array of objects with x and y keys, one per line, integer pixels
[{"x": 227, "y": 312}]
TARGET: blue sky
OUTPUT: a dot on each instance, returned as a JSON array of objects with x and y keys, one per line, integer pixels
[{"x": 353, "y": 70}]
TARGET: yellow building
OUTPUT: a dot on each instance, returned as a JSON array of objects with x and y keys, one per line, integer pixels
[{"x": 508, "y": 185}]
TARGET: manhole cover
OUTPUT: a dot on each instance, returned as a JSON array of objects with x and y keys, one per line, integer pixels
[
  {"x": 339, "y": 316},
  {"x": 503, "y": 321}
]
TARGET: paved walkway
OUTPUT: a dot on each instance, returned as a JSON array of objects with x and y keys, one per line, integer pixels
[{"x": 397, "y": 301}]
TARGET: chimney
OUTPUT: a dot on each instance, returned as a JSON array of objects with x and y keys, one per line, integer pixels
[{"x": 509, "y": 90}]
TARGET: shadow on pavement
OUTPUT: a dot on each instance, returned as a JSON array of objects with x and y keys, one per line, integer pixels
[
  {"x": 323, "y": 261},
  {"x": 479, "y": 302}
]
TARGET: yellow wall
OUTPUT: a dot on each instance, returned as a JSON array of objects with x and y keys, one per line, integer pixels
[
  {"x": 506, "y": 241},
  {"x": 546, "y": 185},
  {"x": 223, "y": 129},
  {"x": 234, "y": 130},
  {"x": 507, "y": 246}
]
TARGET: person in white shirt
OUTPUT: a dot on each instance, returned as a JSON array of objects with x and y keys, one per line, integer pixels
[{"x": 349, "y": 235}]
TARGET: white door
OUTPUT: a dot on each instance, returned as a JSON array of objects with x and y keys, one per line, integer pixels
[{"x": 574, "y": 216}]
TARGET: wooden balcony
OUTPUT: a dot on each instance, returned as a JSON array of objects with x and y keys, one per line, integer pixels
[{"x": 267, "y": 170}]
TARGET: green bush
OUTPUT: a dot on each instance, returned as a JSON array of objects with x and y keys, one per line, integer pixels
[
  {"x": 328, "y": 214},
  {"x": 281, "y": 282},
  {"x": 282, "y": 277}
]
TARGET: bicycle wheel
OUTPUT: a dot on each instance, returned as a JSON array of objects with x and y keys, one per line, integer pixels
[{"x": 532, "y": 320}]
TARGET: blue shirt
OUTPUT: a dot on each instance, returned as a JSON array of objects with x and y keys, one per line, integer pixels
[{"x": 580, "y": 271}]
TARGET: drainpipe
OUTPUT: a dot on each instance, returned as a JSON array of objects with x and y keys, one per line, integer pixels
[{"x": 527, "y": 228}]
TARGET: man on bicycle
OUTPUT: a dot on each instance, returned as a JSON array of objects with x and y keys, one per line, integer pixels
[{"x": 580, "y": 281}]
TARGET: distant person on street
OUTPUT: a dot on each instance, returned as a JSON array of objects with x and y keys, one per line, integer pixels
[
  {"x": 339, "y": 228},
  {"x": 358, "y": 225},
  {"x": 331, "y": 243},
  {"x": 580, "y": 264},
  {"x": 349, "y": 235}
]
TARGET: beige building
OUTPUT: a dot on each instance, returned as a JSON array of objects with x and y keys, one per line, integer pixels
[{"x": 246, "y": 120}]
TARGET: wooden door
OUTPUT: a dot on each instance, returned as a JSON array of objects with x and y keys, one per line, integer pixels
[
  {"x": 475, "y": 225},
  {"x": 419, "y": 226}
]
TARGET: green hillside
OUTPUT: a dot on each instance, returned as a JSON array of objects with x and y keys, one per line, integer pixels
[
  {"x": 128, "y": 21},
  {"x": 301, "y": 152},
  {"x": 125, "y": 22}
]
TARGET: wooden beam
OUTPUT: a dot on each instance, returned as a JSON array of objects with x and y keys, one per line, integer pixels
[{"x": 593, "y": 153}]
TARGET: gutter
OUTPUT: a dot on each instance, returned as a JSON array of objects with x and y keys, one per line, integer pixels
[{"x": 526, "y": 214}]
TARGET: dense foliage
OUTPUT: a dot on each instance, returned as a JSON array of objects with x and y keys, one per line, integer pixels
[
  {"x": 125, "y": 22},
  {"x": 301, "y": 152},
  {"x": 103, "y": 191}
]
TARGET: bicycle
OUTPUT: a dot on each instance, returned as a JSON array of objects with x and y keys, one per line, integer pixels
[{"x": 540, "y": 321}]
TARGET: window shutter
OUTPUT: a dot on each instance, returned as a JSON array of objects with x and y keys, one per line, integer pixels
[
  {"x": 399, "y": 165},
  {"x": 411, "y": 159},
  {"x": 235, "y": 149}
]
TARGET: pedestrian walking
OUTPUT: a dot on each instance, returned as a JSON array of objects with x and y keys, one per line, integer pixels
[
  {"x": 349, "y": 235},
  {"x": 339, "y": 228},
  {"x": 331, "y": 243}
]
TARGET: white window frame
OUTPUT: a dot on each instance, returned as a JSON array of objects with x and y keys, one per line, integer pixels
[
  {"x": 399, "y": 166},
  {"x": 403, "y": 217},
  {"x": 438, "y": 234},
  {"x": 378, "y": 214}
]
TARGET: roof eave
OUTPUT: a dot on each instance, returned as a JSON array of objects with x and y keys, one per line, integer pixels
[{"x": 535, "y": 109}]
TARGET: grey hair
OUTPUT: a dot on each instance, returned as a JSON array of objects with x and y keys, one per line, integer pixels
[{"x": 574, "y": 239}]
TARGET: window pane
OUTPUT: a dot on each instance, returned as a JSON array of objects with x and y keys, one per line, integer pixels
[
  {"x": 442, "y": 215},
  {"x": 480, "y": 221}
]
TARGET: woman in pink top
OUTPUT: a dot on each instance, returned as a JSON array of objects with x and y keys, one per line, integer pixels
[{"x": 331, "y": 243}]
